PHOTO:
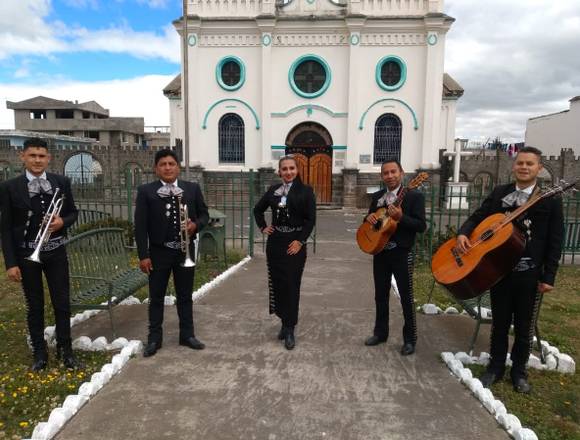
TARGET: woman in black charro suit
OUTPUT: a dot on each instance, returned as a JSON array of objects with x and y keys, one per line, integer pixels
[{"x": 293, "y": 208}]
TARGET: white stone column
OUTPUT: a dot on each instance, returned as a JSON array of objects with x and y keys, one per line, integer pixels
[
  {"x": 355, "y": 26},
  {"x": 266, "y": 26},
  {"x": 433, "y": 92},
  {"x": 193, "y": 39}
]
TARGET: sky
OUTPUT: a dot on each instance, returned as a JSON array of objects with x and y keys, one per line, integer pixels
[{"x": 515, "y": 59}]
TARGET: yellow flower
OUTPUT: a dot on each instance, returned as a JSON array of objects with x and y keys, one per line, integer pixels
[
  {"x": 23, "y": 424},
  {"x": 14, "y": 394}
]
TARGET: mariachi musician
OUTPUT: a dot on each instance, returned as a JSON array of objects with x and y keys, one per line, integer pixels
[
  {"x": 26, "y": 200},
  {"x": 517, "y": 296},
  {"x": 159, "y": 244},
  {"x": 397, "y": 257}
]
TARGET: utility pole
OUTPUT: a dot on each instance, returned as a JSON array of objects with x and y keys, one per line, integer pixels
[{"x": 185, "y": 92}]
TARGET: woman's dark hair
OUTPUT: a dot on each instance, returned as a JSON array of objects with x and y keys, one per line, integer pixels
[
  {"x": 164, "y": 153},
  {"x": 292, "y": 158}
]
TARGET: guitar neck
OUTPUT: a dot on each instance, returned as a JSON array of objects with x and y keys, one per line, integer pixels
[{"x": 400, "y": 197}]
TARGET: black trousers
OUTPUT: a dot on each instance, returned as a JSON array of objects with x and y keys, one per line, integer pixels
[
  {"x": 166, "y": 261},
  {"x": 55, "y": 267},
  {"x": 400, "y": 263},
  {"x": 514, "y": 299},
  {"x": 284, "y": 277}
]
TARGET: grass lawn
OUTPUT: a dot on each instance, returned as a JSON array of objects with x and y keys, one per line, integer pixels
[
  {"x": 552, "y": 410},
  {"x": 27, "y": 398}
]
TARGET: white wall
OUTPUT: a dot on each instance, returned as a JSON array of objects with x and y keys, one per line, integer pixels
[{"x": 551, "y": 133}]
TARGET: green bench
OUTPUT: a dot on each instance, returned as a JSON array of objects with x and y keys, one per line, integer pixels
[
  {"x": 100, "y": 271},
  {"x": 88, "y": 216}
]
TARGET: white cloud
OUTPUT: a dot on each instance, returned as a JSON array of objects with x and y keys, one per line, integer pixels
[
  {"x": 142, "y": 96},
  {"x": 154, "y": 4},
  {"x": 25, "y": 29},
  {"x": 82, "y": 4},
  {"x": 515, "y": 59}
]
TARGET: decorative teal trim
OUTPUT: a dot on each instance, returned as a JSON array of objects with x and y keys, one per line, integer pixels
[
  {"x": 339, "y": 147},
  {"x": 310, "y": 107},
  {"x": 191, "y": 39},
  {"x": 266, "y": 39},
  {"x": 278, "y": 147},
  {"x": 231, "y": 106},
  {"x": 310, "y": 1},
  {"x": 215, "y": 104},
  {"x": 415, "y": 121},
  {"x": 402, "y": 66},
  {"x": 354, "y": 39},
  {"x": 432, "y": 39},
  {"x": 218, "y": 73},
  {"x": 295, "y": 65}
]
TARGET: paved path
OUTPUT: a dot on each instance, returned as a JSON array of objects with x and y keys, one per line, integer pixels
[{"x": 245, "y": 385}]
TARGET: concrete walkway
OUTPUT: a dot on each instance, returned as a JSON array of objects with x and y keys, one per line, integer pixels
[{"x": 245, "y": 385}]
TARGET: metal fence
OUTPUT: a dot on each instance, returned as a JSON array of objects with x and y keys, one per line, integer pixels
[{"x": 234, "y": 195}]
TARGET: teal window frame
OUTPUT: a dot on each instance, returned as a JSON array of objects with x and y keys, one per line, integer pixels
[
  {"x": 297, "y": 63},
  {"x": 218, "y": 73},
  {"x": 402, "y": 66}
]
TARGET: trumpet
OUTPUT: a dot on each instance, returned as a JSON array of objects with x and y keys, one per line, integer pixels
[
  {"x": 44, "y": 233},
  {"x": 184, "y": 236}
]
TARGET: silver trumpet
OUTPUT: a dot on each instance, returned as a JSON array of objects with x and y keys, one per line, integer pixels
[
  {"x": 43, "y": 234},
  {"x": 184, "y": 236}
]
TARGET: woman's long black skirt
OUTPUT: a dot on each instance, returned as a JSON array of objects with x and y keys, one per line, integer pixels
[{"x": 284, "y": 276}]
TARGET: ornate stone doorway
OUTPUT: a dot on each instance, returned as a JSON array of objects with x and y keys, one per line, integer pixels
[{"x": 311, "y": 145}]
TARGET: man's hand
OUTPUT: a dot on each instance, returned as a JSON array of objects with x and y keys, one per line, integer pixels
[
  {"x": 56, "y": 224},
  {"x": 14, "y": 274},
  {"x": 294, "y": 247},
  {"x": 463, "y": 243},
  {"x": 191, "y": 227},
  {"x": 268, "y": 230},
  {"x": 395, "y": 212},
  {"x": 146, "y": 265},
  {"x": 544, "y": 287},
  {"x": 372, "y": 218}
]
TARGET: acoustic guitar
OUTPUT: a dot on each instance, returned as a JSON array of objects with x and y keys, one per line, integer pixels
[
  {"x": 373, "y": 238},
  {"x": 496, "y": 247}
]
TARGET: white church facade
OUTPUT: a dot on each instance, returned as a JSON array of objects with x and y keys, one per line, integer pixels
[{"x": 342, "y": 86}]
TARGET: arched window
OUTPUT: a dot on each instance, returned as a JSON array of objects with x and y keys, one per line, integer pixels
[
  {"x": 231, "y": 139},
  {"x": 86, "y": 174},
  {"x": 387, "y": 138}
]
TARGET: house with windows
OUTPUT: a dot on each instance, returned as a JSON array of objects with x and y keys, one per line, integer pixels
[{"x": 342, "y": 85}]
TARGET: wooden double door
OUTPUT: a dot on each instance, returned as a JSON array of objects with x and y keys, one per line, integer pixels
[{"x": 315, "y": 169}]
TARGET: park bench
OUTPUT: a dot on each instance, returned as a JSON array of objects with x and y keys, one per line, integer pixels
[
  {"x": 88, "y": 216},
  {"x": 101, "y": 273}
]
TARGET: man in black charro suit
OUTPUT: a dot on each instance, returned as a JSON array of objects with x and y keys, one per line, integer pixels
[
  {"x": 517, "y": 295},
  {"x": 24, "y": 201},
  {"x": 157, "y": 233},
  {"x": 397, "y": 258}
]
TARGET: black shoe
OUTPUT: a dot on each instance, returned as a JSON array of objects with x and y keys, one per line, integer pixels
[
  {"x": 289, "y": 340},
  {"x": 282, "y": 333},
  {"x": 489, "y": 378},
  {"x": 374, "y": 340},
  {"x": 39, "y": 364},
  {"x": 192, "y": 343},
  {"x": 68, "y": 358},
  {"x": 407, "y": 349},
  {"x": 521, "y": 385},
  {"x": 151, "y": 348}
]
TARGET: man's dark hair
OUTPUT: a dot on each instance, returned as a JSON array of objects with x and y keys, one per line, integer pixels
[
  {"x": 532, "y": 150},
  {"x": 35, "y": 142},
  {"x": 393, "y": 160},
  {"x": 164, "y": 153}
]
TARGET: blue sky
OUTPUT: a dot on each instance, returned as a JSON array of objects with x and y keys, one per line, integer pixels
[
  {"x": 515, "y": 59},
  {"x": 78, "y": 23}
]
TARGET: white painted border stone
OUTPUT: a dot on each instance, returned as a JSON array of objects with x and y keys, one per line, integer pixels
[
  {"x": 71, "y": 405},
  {"x": 495, "y": 407}
]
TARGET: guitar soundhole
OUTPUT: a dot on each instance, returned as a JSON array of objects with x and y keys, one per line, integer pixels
[
  {"x": 377, "y": 226},
  {"x": 486, "y": 235}
]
